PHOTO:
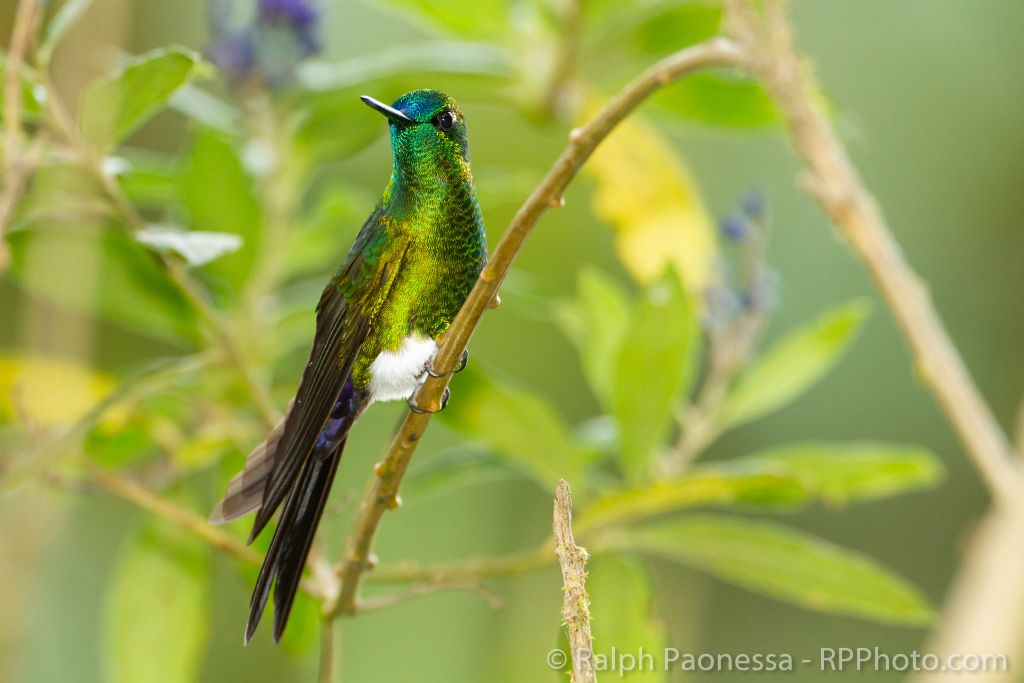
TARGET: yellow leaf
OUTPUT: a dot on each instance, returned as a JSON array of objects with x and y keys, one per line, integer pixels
[
  {"x": 651, "y": 199},
  {"x": 48, "y": 391}
]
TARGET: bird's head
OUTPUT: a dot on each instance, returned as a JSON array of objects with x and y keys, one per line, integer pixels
[{"x": 427, "y": 130}]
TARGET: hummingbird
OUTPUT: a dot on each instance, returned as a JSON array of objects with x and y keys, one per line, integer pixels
[{"x": 378, "y": 325}]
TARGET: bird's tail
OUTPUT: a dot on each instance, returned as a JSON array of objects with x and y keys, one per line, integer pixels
[{"x": 292, "y": 540}]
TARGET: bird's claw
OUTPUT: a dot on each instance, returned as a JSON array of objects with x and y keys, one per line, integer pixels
[
  {"x": 416, "y": 409},
  {"x": 463, "y": 359}
]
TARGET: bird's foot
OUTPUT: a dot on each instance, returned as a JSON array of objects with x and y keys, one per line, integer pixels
[
  {"x": 416, "y": 409},
  {"x": 463, "y": 359}
]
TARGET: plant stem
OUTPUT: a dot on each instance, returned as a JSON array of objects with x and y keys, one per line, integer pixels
[
  {"x": 16, "y": 167},
  {"x": 575, "y": 602},
  {"x": 834, "y": 181},
  {"x": 383, "y": 490},
  {"x": 189, "y": 287}
]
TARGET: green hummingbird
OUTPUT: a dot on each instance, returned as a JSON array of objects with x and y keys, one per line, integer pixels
[{"x": 378, "y": 325}]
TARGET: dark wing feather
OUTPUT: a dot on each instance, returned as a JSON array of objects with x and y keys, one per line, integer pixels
[{"x": 343, "y": 322}]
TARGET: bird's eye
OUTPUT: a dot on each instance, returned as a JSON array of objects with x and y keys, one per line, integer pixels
[{"x": 446, "y": 120}]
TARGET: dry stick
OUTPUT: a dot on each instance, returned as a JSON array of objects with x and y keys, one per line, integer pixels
[
  {"x": 576, "y": 602},
  {"x": 383, "y": 491},
  {"x": 833, "y": 180}
]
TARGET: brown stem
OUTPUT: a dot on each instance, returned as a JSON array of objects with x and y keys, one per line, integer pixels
[
  {"x": 576, "y": 602},
  {"x": 383, "y": 490},
  {"x": 834, "y": 181},
  {"x": 16, "y": 168}
]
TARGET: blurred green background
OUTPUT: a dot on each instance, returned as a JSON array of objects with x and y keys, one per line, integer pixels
[{"x": 929, "y": 98}]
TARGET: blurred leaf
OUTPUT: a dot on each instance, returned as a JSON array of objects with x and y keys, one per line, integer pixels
[
  {"x": 133, "y": 290},
  {"x": 675, "y": 25},
  {"x": 206, "y": 109},
  {"x": 596, "y": 321},
  {"x": 47, "y": 390},
  {"x": 452, "y": 470},
  {"x": 653, "y": 366},
  {"x": 476, "y": 18},
  {"x": 150, "y": 180},
  {"x": 436, "y": 56},
  {"x": 220, "y": 196},
  {"x": 719, "y": 99},
  {"x": 649, "y": 196},
  {"x": 752, "y": 484},
  {"x": 783, "y": 563},
  {"x": 113, "y": 108},
  {"x": 155, "y": 620},
  {"x": 848, "y": 472},
  {"x": 621, "y": 598},
  {"x": 120, "y": 448},
  {"x": 65, "y": 18},
  {"x": 195, "y": 246},
  {"x": 516, "y": 424},
  {"x": 784, "y": 372},
  {"x": 331, "y": 219}
]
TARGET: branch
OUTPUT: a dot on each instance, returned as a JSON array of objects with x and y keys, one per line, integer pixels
[
  {"x": 383, "y": 491},
  {"x": 983, "y": 613},
  {"x": 189, "y": 287},
  {"x": 133, "y": 492},
  {"x": 834, "y": 181},
  {"x": 576, "y": 602},
  {"x": 16, "y": 168}
]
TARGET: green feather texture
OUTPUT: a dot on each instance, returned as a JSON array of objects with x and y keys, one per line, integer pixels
[{"x": 425, "y": 240}]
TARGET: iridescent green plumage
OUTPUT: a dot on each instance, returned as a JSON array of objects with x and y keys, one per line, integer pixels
[{"x": 405, "y": 278}]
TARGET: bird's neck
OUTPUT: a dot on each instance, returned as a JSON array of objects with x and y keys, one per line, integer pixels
[{"x": 424, "y": 187}]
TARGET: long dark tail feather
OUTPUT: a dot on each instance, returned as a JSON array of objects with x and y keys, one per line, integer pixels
[{"x": 292, "y": 541}]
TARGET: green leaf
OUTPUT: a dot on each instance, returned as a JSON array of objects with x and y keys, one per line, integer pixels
[
  {"x": 65, "y": 18},
  {"x": 844, "y": 473},
  {"x": 219, "y": 196},
  {"x": 621, "y": 598},
  {"x": 652, "y": 368},
  {"x": 719, "y": 99},
  {"x": 475, "y": 18},
  {"x": 720, "y": 484},
  {"x": 155, "y": 617},
  {"x": 793, "y": 365},
  {"x": 671, "y": 28},
  {"x": 63, "y": 263},
  {"x": 783, "y": 563},
  {"x": 516, "y": 424},
  {"x": 114, "y": 108},
  {"x": 596, "y": 322},
  {"x": 195, "y": 246}
]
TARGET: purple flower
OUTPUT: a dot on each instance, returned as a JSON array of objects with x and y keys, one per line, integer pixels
[
  {"x": 299, "y": 14},
  {"x": 262, "y": 41},
  {"x": 735, "y": 227}
]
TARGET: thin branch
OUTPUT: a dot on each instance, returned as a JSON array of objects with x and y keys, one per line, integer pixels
[
  {"x": 382, "y": 602},
  {"x": 466, "y": 570},
  {"x": 570, "y": 33},
  {"x": 326, "y": 672},
  {"x": 576, "y": 602},
  {"x": 189, "y": 287},
  {"x": 836, "y": 184},
  {"x": 133, "y": 492},
  {"x": 16, "y": 168},
  {"x": 983, "y": 613},
  {"x": 383, "y": 491}
]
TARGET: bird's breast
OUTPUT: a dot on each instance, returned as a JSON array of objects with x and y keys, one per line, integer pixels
[{"x": 394, "y": 374}]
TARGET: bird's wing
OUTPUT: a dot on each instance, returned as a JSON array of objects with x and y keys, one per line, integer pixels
[{"x": 344, "y": 317}]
